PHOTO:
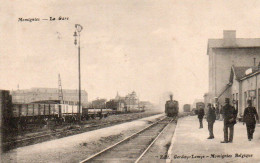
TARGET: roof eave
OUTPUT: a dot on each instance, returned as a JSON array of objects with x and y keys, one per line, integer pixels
[
  {"x": 250, "y": 75},
  {"x": 235, "y": 47}
]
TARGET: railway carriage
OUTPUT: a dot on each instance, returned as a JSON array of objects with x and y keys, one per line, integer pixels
[
  {"x": 197, "y": 106},
  {"x": 93, "y": 113},
  {"x": 186, "y": 108}
]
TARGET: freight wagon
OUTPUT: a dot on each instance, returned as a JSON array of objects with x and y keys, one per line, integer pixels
[
  {"x": 186, "y": 108},
  {"x": 61, "y": 112},
  {"x": 93, "y": 113},
  {"x": 199, "y": 105},
  {"x": 5, "y": 112},
  {"x": 40, "y": 112}
]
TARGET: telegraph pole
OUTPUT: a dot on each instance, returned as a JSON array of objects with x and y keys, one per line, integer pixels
[
  {"x": 77, "y": 35},
  {"x": 60, "y": 93}
]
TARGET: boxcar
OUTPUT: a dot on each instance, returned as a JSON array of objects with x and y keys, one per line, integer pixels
[
  {"x": 186, "y": 108},
  {"x": 199, "y": 105}
]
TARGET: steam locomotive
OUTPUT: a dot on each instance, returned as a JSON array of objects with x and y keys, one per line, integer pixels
[{"x": 171, "y": 107}]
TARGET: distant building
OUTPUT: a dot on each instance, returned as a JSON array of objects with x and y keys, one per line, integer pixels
[
  {"x": 132, "y": 102},
  {"x": 117, "y": 105},
  {"x": 99, "y": 103},
  {"x": 128, "y": 103},
  {"x": 223, "y": 53},
  {"x": 42, "y": 94},
  {"x": 118, "y": 97}
]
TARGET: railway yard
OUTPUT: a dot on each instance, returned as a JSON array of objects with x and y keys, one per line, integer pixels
[
  {"x": 136, "y": 140},
  {"x": 34, "y": 134}
]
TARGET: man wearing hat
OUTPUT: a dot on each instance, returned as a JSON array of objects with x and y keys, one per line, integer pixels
[
  {"x": 211, "y": 117},
  {"x": 201, "y": 114},
  {"x": 250, "y": 117},
  {"x": 229, "y": 115}
]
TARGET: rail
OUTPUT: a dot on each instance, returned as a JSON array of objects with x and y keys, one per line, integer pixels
[
  {"x": 128, "y": 138},
  {"x": 140, "y": 157}
]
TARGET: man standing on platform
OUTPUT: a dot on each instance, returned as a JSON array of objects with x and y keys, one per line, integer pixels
[
  {"x": 201, "y": 114},
  {"x": 250, "y": 117},
  {"x": 229, "y": 115},
  {"x": 211, "y": 117}
]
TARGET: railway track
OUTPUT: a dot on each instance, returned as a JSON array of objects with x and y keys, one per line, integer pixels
[
  {"x": 134, "y": 147},
  {"x": 43, "y": 136}
]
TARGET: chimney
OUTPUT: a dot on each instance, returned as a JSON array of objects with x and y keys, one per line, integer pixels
[{"x": 229, "y": 37}]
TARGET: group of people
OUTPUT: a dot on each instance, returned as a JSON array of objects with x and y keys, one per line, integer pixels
[{"x": 229, "y": 114}]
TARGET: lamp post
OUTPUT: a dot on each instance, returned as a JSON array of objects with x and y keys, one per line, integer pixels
[{"x": 77, "y": 35}]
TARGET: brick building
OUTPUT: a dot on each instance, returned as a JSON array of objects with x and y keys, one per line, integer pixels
[{"x": 223, "y": 53}]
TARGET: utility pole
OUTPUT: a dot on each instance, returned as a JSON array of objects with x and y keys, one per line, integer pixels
[
  {"x": 77, "y": 35},
  {"x": 60, "y": 93}
]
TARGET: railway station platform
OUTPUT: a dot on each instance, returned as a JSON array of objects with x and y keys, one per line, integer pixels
[{"x": 190, "y": 144}]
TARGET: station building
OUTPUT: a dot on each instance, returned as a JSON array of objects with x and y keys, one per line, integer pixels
[
  {"x": 245, "y": 85},
  {"x": 241, "y": 53},
  {"x": 44, "y": 94}
]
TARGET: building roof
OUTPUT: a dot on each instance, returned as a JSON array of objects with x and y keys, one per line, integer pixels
[
  {"x": 48, "y": 90},
  {"x": 240, "y": 72},
  {"x": 255, "y": 71},
  {"x": 239, "y": 43}
]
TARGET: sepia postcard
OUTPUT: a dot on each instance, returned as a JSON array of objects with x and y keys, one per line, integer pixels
[{"x": 113, "y": 81}]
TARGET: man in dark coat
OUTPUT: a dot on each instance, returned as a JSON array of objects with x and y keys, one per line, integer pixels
[
  {"x": 201, "y": 114},
  {"x": 250, "y": 117},
  {"x": 211, "y": 117},
  {"x": 229, "y": 115}
]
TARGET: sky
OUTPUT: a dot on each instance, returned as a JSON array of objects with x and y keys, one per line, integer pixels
[{"x": 148, "y": 46}]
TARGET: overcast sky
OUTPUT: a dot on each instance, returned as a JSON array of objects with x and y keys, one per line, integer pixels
[{"x": 149, "y": 46}]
